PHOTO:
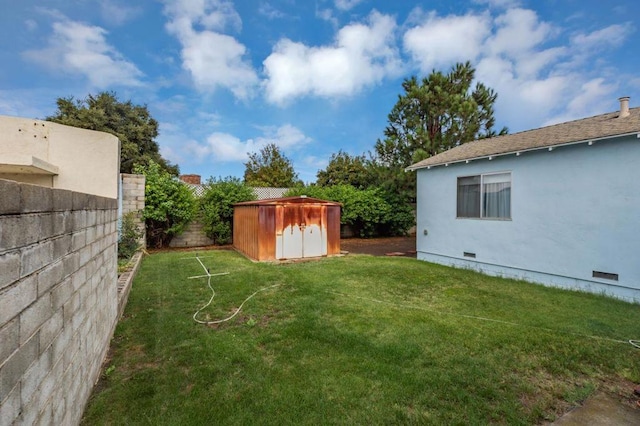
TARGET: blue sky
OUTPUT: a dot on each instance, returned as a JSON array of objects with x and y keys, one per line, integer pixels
[{"x": 225, "y": 78}]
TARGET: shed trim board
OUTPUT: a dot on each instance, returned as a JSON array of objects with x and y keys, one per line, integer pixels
[{"x": 574, "y": 215}]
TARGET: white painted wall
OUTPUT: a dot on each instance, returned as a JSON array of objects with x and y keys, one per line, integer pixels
[
  {"x": 574, "y": 210},
  {"x": 58, "y": 156}
]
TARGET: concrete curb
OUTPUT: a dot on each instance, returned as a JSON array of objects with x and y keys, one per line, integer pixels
[{"x": 125, "y": 280}]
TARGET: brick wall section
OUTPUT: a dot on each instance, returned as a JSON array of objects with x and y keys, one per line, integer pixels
[
  {"x": 58, "y": 300},
  {"x": 133, "y": 199},
  {"x": 192, "y": 236}
]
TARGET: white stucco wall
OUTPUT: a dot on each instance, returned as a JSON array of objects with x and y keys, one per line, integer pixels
[
  {"x": 574, "y": 210},
  {"x": 58, "y": 156}
]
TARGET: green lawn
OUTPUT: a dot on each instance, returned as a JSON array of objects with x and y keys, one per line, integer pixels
[{"x": 357, "y": 340}]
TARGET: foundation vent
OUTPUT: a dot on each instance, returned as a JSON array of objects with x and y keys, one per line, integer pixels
[
  {"x": 605, "y": 275},
  {"x": 469, "y": 254}
]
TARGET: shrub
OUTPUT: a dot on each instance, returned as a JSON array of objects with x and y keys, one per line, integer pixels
[
  {"x": 130, "y": 235},
  {"x": 169, "y": 205},
  {"x": 216, "y": 206},
  {"x": 369, "y": 212}
]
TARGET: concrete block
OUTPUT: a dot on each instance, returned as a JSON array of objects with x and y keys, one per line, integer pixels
[
  {"x": 79, "y": 278},
  {"x": 50, "y": 276},
  {"x": 58, "y": 223},
  {"x": 35, "y": 375},
  {"x": 36, "y": 257},
  {"x": 80, "y": 201},
  {"x": 92, "y": 218},
  {"x": 10, "y": 406},
  {"x": 18, "y": 231},
  {"x": 68, "y": 222},
  {"x": 96, "y": 248},
  {"x": 79, "y": 219},
  {"x": 9, "y": 336},
  {"x": 71, "y": 263},
  {"x": 33, "y": 317},
  {"x": 70, "y": 308},
  {"x": 91, "y": 231},
  {"x": 13, "y": 369},
  {"x": 9, "y": 268},
  {"x": 78, "y": 240},
  {"x": 85, "y": 255},
  {"x": 45, "y": 228},
  {"x": 51, "y": 329},
  {"x": 16, "y": 298},
  {"x": 10, "y": 196},
  {"x": 61, "y": 246},
  {"x": 61, "y": 293},
  {"x": 59, "y": 406},
  {"x": 47, "y": 386},
  {"x": 36, "y": 198},
  {"x": 62, "y": 200},
  {"x": 92, "y": 202},
  {"x": 62, "y": 346},
  {"x": 45, "y": 416}
]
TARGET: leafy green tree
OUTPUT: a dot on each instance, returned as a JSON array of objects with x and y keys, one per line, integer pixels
[
  {"x": 216, "y": 206},
  {"x": 169, "y": 204},
  {"x": 270, "y": 168},
  {"x": 432, "y": 115},
  {"x": 345, "y": 169},
  {"x": 366, "y": 211},
  {"x": 132, "y": 124}
]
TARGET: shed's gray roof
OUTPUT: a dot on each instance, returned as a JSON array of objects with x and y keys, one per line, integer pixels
[{"x": 584, "y": 130}]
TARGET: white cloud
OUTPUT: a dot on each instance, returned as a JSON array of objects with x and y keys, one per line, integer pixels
[
  {"x": 441, "y": 41},
  {"x": 267, "y": 10},
  {"x": 518, "y": 31},
  {"x": 499, "y": 4},
  {"x": 585, "y": 100},
  {"x": 345, "y": 5},
  {"x": 539, "y": 77},
  {"x": 224, "y": 147},
  {"x": 118, "y": 13},
  {"x": 82, "y": 49},
  {"x": 327, "y": 15},
  {"x": 214, "y": 60},
  {"x": 611, "y": 36},
  {"x": 362, "y": 55},
  {"x": 31, "y": 25}
]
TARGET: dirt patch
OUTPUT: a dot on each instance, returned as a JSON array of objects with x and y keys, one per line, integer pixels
[{"x": 391, "y": 246}]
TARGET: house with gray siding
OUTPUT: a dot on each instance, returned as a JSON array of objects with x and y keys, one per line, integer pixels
[{"x": 558, "y": 205}]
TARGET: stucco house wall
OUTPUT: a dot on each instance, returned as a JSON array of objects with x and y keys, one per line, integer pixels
[
  {"x": 574, "y": 210},
  {"x": 58, "y": 156}
]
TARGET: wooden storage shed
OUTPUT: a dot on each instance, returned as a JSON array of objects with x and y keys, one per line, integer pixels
[{"x": 286, "y": 228}]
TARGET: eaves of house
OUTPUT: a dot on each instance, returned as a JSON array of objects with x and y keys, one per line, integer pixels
[{"x": 624, "y": 122}]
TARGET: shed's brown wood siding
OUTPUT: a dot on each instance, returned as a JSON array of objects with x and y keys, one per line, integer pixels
[
  {"x": 245, "y": 230},
  {"x": 333, "y": 230},
  {"x": 257, "y": 224}
]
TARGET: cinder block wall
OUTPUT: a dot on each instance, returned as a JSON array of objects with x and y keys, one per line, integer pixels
[
  {"x": 133, "y": 199},
  {"x": 58, "y": 300},
  {"x": 192, "y": 236}
]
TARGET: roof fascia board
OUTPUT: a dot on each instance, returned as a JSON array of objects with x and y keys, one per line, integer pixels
[{"x": 518, "y": 152}]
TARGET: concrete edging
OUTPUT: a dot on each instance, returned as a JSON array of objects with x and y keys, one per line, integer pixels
[{"x": 125, "y": 280}]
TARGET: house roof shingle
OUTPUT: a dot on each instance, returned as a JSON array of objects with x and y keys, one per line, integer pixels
[{"x": 583, "y": 130}]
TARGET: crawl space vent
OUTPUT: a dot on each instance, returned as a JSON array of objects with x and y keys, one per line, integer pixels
[{"x": 605, "y": 275}]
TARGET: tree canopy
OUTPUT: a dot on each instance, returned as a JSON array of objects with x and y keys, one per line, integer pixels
[
  {"x": 270, "y": 168},
  {"x": 434, "y": 114},
  {"x": 345, "y": 169},
  {"x": 132, "y": 124}
]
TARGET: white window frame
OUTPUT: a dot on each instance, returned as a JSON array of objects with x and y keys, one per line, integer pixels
[{"x": 482, "y": 193}]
